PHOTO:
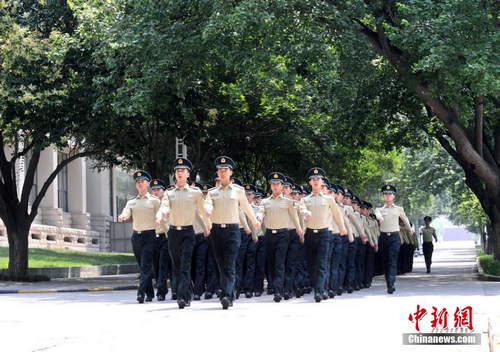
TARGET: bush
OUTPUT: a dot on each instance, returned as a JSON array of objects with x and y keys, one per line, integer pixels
[{"x": 489, "y": 264}]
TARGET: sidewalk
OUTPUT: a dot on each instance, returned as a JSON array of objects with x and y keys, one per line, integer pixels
[{"x": 101, "y": 283}]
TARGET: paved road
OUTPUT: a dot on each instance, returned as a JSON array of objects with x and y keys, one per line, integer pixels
[{"x": 368, "y": 319}]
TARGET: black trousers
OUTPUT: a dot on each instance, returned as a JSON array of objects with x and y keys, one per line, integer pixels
[
  {"x": 428, "y": 248},
  {"x": 143, "y": 246},
  {"x": 180, "y": 245}
]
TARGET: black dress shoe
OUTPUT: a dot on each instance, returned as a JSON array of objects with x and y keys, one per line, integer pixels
[
  {"x": 286, "y": 296},
  {"x": 324, "y": 295},
  {"x": 258, "y": 294},
  {"x": 308, "y": 290},
  {"x": 270, "y": 291},
  {"x": 160, "y": 297},
  {"x": 140, "y": 298},
  {"x": 339, "y": 292},
  {"x": 208, "y": 295},
  {"x": 225, "y": 301},
  {"x": 149, "y": 299},
  {"x": 317, "y": 297},
  {"x": 248, "y": 294},
  {"x": 298, "y": 293},
  {"x": 218, "y": 293},
  {"x": 196, "y": 297},
  {"x": 356, "y": 288},
  {"x": 237, "y": 294},
  {"x": 331, "y": 294},
  {"x": 391, "y": 290},
  {"x": 277, "y": 298},
  {"x": 349, "y": 290},
  {"x": 182, "y": 303},
  {"x": 174, "y": 297}
]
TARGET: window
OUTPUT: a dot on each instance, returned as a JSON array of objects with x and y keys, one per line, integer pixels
[{"x": 62, "y": 183}]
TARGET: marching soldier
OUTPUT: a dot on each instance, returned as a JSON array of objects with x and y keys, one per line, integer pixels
[
  {"x": 278, "y": 213},
  {"x": 352, "y": 247},
  {"x": 223, "y": 203},
  {"x": 181, "y": 205},
  {"x": 260, "y": 250},
  {"x": 389, "y": 241},
  {"x": 212, "y": 271},
  {"x": 361, "y": 250},
  {"x": 162, "y": 262},
  {"x": 370, "y": 228},
  {"x": 428, "y": 233},
  {"x": 200, "y": 253},
  {"x": 142, "y": 210},
  {"x": 249, "y": 260},
  {"x": 292, "y": 254},
  {"x": 319, "y": 208},
  {"x": 338, "y": 284}
]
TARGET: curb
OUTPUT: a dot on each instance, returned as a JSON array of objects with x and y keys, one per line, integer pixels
[
  {"x": 482, "y": 276},
  {"x": 92, "y": 289}
]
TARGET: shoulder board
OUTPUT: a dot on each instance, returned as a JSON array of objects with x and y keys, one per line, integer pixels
[
  {"x": 238, "y": 186},
  {"x": 211, "y": 189},
  {"x": 170, "y": 188},
  {"x": 194, "y": 188}
]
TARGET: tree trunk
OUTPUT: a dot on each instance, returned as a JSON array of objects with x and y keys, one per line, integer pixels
[
  {"x": 18, "y": 252},
  {"x": 494, "y": 233}
]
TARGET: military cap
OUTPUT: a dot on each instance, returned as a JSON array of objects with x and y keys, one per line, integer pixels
[
  {"x": 348, "y": 193},
  {"x": 296, "y": 188},
  {"x": 250, "y": 188},
  {"x": 205, "y": 187},
  {"x": 316, "y": 172},
  {"x": 288, "y": 181},
  {"x": 237, "y": 181},
  {"x": 260, "y": 192},
  {"x": 157, "y": 183},
  {"x": 182, "y": 163},
  {"x": 356, "y": 200},
  {"x": 333, "y": 187},
  {"x": 388, "y": 189},
  {"x": 224, "y": 161},
  {"x": 340, "y": 189},
  {"x": 366, "y": 205},
  {"x": 196, "y": 184},
  {"x": 276, "y": 177},
  {"x": 142, "y": 175}
]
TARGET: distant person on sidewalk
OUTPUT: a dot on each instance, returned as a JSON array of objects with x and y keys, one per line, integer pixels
[{"x": 428, "y": 233}]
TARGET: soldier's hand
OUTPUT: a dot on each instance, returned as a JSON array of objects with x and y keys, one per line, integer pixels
[
  {"x": 351, "y": 239},
  {"x": 307, "y": 216},
  {"x": 248, "y": 232},
  {"x": 158, "y": 220},
  {"x": 376, "y": 247},
  {"x": 380, "y": 220},
  {"x": 343, "y": 232},
  {"x": 257, "y": 225},
  {"x": 300, "y": 232},
  {"x": 301, "y": 238},
  {"x": 121, "y": 218},
  {"x": 206, "y": 233}
]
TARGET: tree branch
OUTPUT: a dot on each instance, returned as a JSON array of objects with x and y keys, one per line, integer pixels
[
  {"x": 29, "y": 179},
  {"x": 478, "y": 124},
  {"x": 48, "y": 182}
]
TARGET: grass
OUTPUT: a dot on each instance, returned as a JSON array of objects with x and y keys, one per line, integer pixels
[
  {"x": 490, "y": 266},
  {"x": 44, "y": 258}
]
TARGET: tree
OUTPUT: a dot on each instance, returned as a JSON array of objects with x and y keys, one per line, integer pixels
[{"x": 44, "y": 102}]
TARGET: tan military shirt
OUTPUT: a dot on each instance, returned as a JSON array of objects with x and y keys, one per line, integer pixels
[
  {"x": 225, "y": 201},
  {"x": 256, "y": 232},
  {"x": 355, "y": 219},
  {"x": 375, "y": 229},
  {"x": 163, "y": 227},
  {"x": 181, "y": 205},
  {"x": 391, "y": 216},
  {"x": 366, "y": 228},
  {"x": 279, "y": 212},
  {"x": 347, "y": 222},
  {"x": 142, "y": 210},
  {"x": 320, "y": 207},
  {"x": 243, "y": 221},
  {"x": 427, "y": 233}
]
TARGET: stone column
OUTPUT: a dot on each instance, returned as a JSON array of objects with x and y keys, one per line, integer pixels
[
  {"x": 51, "y": 214},
  {"x": 77, "y": 194}
]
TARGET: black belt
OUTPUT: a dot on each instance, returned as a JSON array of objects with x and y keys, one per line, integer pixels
[
  {"x": 226, "y": 226},
  {"x": 278, "y": 230},
  {"x": 179, "y": 228},
  {"x": 144, "y": 232},
  {"x": 390, "y": 233},
  {"x": 317, "y": 230}
]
